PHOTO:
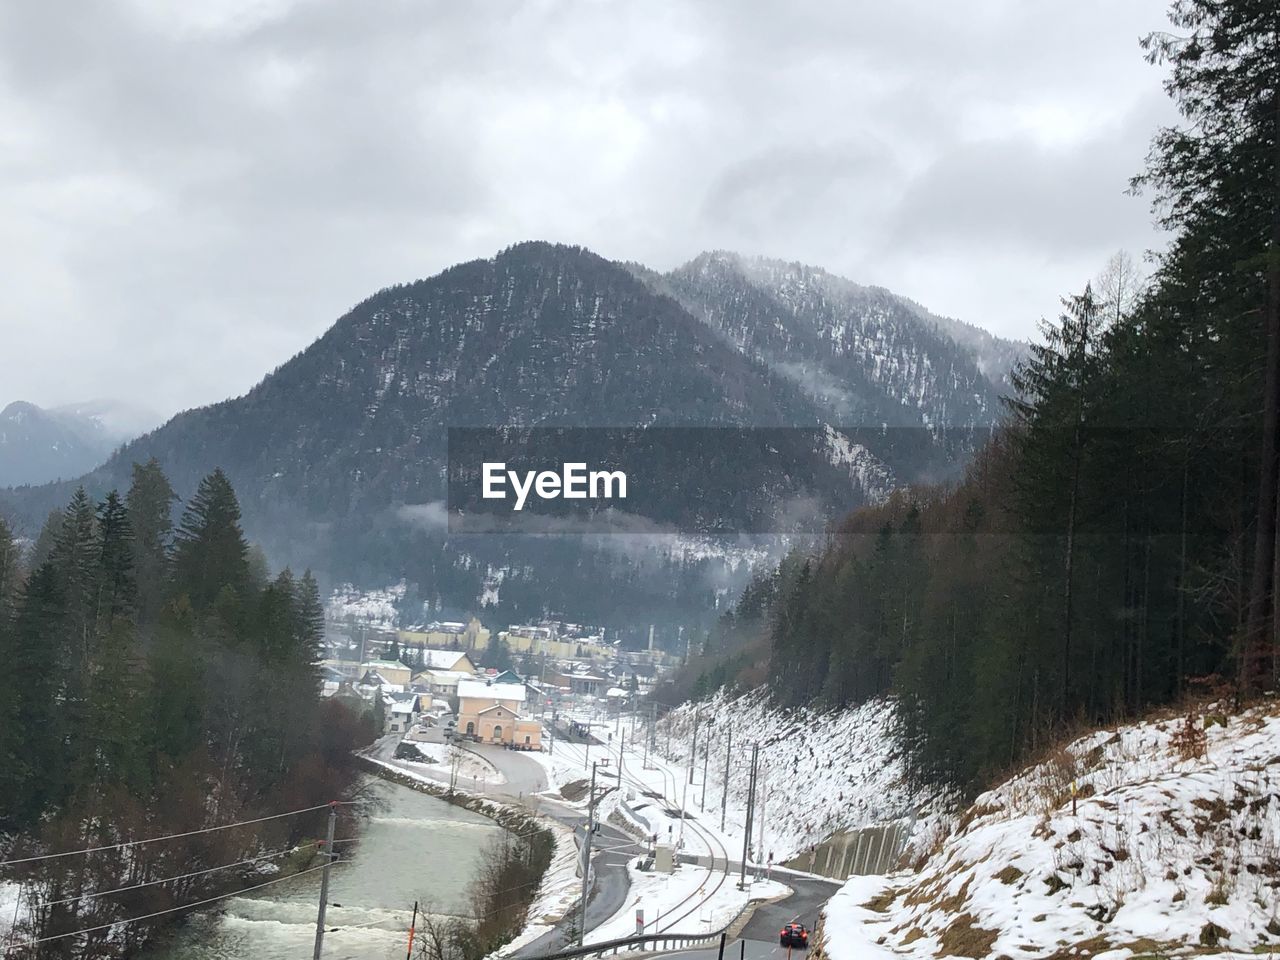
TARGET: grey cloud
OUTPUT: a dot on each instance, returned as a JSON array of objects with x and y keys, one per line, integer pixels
[{"x": 190, "y": 193}]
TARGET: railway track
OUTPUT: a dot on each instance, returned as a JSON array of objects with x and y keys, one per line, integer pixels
[
  {"x": 717, "y": 868},
  {"x": 690, "y": 904}
]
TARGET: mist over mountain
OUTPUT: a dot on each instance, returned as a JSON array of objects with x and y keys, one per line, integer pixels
[
  {"x": 339, "y": 455},
  {"x": 39, "y": 445}
]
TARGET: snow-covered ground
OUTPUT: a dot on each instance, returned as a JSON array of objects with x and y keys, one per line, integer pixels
[
  {"x": 438, "y": 765},
  {"x": 560, "y": 891},
  {"x": 839, "y": 769},
  {"x": 697, "y": 896},
  {"x": 373, "y": 608},
  {"x": 686, "y": 901},
  {"x": 10, "y": 900},
  {"x": 1173, "y": 847}
]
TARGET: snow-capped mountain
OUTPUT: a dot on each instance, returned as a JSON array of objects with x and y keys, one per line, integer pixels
[
  {"x": 339, "y": 455},
  {"x": 866, "y": 355}
]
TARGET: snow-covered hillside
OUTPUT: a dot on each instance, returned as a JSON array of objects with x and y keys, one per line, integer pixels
[
  {"x": 1173, "y": 846},
  {"x": 373, "y": 608},
  {"x": 819, "y": 772}
]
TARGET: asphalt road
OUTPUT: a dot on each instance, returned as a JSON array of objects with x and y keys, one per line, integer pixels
[
  {"x": 613, "y": 849},
  {"x": 525, "y": 778},
  {"x": 759, "y": 940}
]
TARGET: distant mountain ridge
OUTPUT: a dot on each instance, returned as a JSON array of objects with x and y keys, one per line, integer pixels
[
  {"x": 40, "y": 445},
  {"x": 338, "y": 453}
]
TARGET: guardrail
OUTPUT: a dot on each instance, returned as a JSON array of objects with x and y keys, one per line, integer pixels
[
  {"x": 649, "y": 942},
  {"x": 655, "y": 942}
]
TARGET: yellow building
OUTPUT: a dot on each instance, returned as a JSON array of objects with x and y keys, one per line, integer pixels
[
  {"x": 490, "y": 712},
  {"x": 471, "y": 636},
  {"x": 539, "y": 640}
]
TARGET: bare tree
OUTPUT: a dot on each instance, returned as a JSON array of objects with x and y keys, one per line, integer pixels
[{"x": 1119, "y": 287}]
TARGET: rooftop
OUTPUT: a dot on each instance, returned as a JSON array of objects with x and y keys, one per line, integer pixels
[{"x": 495, "y": 691}]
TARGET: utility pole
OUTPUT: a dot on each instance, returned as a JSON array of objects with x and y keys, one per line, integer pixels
[
  {"x": 586, "y": 882},
  {"x": 551, "y": 742},
  {"x": 724, "y": 796},
  {"x": 693, "y": 748},
  {"x": 684, "y": 808},
  {"x": 586, "y": 849},
  {"x": 764, "y": 796},
  {"x": 324, "y": 881},
  {"x": 706, "y": 754},
  {"x": 751, "y": 809},
  {"x": 652, "y": 740}
]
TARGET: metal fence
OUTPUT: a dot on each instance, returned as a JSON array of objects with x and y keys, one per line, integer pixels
[{"x": 648, "y": 943}]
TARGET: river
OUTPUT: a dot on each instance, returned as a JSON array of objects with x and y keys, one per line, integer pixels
[{"x": 413, "y": 847}]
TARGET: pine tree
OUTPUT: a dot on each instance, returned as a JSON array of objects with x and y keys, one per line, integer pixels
[
  {"x": 1052, "y": 429},
  {"x": 76, "y": 559},
  {"x": 179, "y": 686},
  {"x": 45, "y": 539},
  {"x": 10, "y": 574},
  {"x": 1218, "y": 178},
  {"x": 310, "y": 616},
  {"x": 118, "y": 592},
  {"x": 210, "y": 552},
  {"x": 117, "y": 697},
  {"x": 149, "y": 505},
  {"x": 32, "y": 764}
]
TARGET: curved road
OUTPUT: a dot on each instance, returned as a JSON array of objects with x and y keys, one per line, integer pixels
[{"x": 525, "y": 779}]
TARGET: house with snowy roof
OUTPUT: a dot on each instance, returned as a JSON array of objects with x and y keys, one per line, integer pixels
[{"x": 493, "y": 713}]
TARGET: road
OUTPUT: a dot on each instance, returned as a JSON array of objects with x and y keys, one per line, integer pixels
[
  {"x": 759, "y": 940},
  {"x": 525, "y": 779}
]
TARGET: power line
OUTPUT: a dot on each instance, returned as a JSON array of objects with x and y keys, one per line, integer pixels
[
  {"x": 171, "y": 836},
  {"x": 181, "y": 876},
  {"x": 185, "y": 906}
]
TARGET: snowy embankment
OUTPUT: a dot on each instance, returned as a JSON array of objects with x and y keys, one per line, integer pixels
[
  {"x": 1173, "y": 847},
  {"x": 820, "y": 772}
]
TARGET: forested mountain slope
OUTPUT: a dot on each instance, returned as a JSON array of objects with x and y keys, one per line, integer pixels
[{"x": 339, "y": 454}]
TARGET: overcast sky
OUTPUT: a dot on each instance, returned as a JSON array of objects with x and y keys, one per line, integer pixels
[{"x": 192, "y": 192}]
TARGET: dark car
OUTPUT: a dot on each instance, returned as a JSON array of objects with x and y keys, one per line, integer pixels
[{"x": 794, "y": 935}]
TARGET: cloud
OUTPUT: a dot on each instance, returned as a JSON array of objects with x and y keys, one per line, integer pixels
[
  {"x": 432, "y": 517},
  {"x": 190, "y": 193}
]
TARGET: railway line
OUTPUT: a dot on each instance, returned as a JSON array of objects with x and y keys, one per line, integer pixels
[{"x": 718, "y": 856}]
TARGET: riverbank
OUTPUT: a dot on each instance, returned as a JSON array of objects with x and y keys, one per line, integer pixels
[
  {"x": 557, "y": 890},
  {"x": 392, "y": 860}
]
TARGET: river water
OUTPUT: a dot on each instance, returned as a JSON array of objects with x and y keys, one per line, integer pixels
[{"x": 413, "y": 847}]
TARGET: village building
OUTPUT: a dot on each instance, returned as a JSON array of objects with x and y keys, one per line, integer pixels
[
  {"x": 471, "y": 636},
  {"x": 491, "y": 713},
  {"x": 442, "y": 683},
  {"x": 391, "y": 672},
  {"x": 401, "y": 713}
]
